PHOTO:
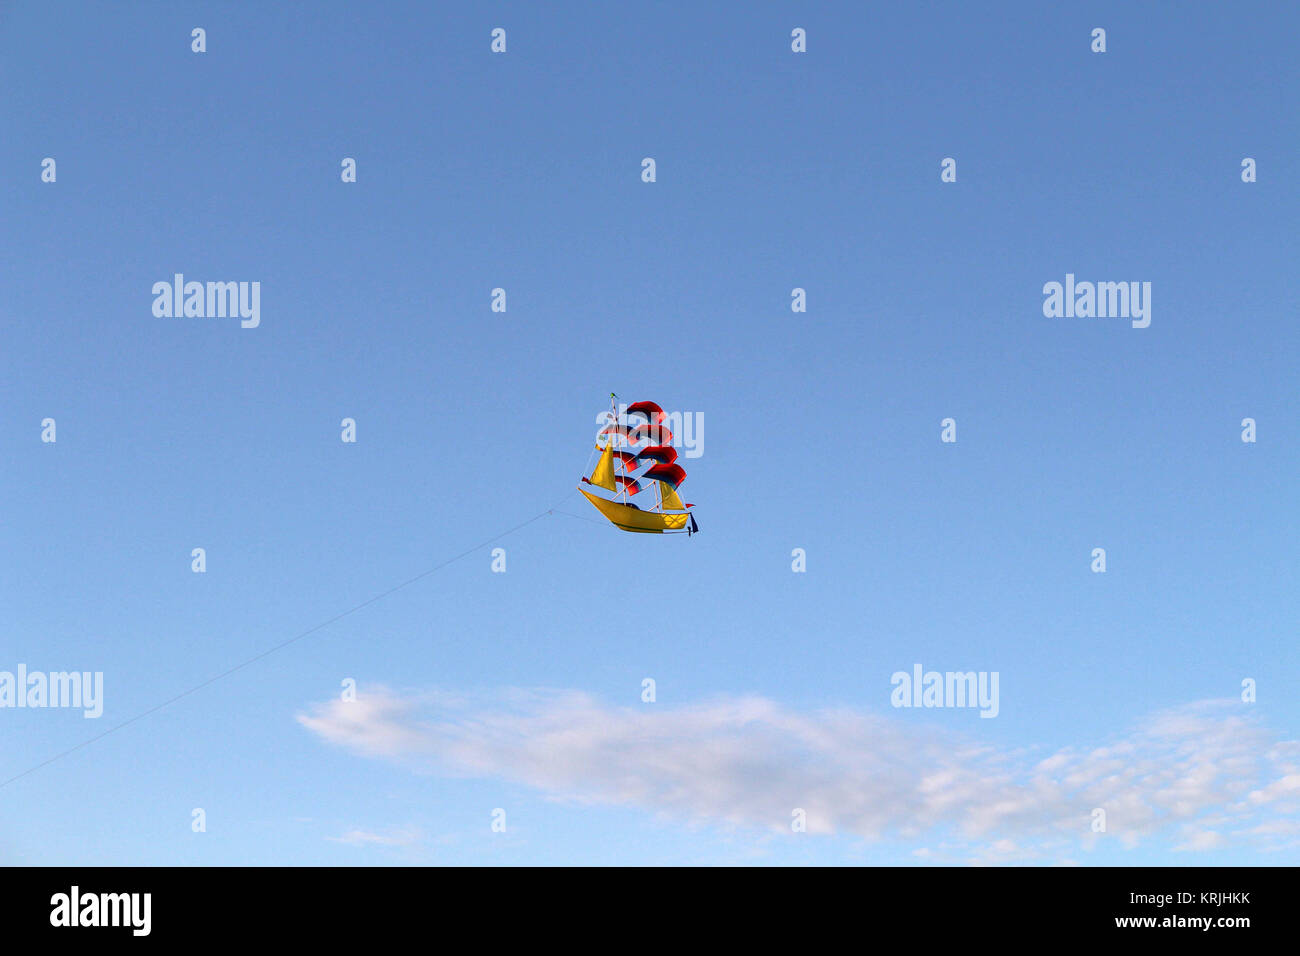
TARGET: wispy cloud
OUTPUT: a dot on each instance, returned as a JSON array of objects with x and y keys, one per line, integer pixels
[
  {"x": 1200, "y": 777},
  {"x": 405, "y": 837}
]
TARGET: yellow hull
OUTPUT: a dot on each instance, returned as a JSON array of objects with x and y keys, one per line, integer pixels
[{"x": 634, "y": 519}]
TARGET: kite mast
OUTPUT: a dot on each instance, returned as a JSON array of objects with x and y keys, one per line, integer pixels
[{"x": 613, "y": 420}]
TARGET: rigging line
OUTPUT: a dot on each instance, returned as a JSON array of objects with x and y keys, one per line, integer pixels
[{"x": 283, "y": 644}]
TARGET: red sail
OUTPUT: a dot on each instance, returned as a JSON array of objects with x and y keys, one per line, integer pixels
[
  {"x": 670, "y": 475},
  {"x": 655, "y": 434},
  {"x": 611, "y": 431},
  {"x": 652, "y": 412},
  {"x": 663, "y": 454},
  {"x": 630, "y": 485}
]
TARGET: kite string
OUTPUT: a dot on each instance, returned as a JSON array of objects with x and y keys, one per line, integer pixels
[
  {"x": 570, "y": 514},
  {"x": 283, "y": 644}
]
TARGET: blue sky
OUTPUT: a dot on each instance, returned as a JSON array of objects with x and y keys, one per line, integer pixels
[{"x": 521, "y": 690}]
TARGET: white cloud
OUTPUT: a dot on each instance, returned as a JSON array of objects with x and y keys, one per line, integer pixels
[
  {"x": 1290, "y": 784},
  {"x": 749, "y": 761},
  {"x": 1197, "y": 839},
  {"x": 406, "y": 837}
]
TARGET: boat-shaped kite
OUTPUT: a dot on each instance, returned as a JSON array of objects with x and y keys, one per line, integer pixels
[{"x": 643, "y": 445}]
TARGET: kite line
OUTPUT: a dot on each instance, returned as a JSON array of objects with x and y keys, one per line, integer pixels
[{"x": 283, "y": 644}]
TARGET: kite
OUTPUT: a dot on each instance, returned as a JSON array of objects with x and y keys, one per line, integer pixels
[{"x": 664, "y": 513}]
